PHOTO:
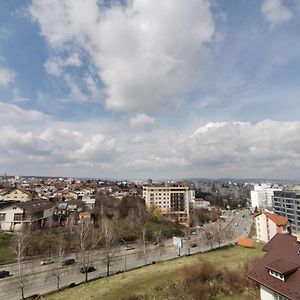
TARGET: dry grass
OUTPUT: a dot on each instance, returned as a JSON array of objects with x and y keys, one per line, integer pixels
[{"x": 154, "y": 279}]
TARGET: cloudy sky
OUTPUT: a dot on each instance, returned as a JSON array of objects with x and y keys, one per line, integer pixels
[{"x": 150, "y": 88}]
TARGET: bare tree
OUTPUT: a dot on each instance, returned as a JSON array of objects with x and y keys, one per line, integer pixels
[
  {"x": 142, "y": 216},
  {"x": 60, "y": 250},
  {"x": 110, "y": 241},
  {"x": 188, "y": 240},
  {"x": 22, "y": 242},
  {"x": 159, "y": 242},
  {"x": 209, "y": 238},
  {"x": 85, "y": 241}
]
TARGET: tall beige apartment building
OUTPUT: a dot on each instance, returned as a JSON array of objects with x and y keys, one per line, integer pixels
[{"x": 172, "y": 199}]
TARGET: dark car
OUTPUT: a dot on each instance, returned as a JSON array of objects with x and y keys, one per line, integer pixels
[
  {"x": 88, "y": 269},
  {"x": 68, "y": 261},
  {"x": 4, "y": 274}
]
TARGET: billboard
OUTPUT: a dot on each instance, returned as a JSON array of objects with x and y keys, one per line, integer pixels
[{"x": 177, "y": 242}]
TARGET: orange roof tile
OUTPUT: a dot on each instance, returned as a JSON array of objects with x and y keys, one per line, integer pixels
[
  {"x": 245, "y": 242},
  {"x": 278, "y": 220}
]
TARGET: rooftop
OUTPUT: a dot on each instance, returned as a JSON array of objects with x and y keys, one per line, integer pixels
[{"x": 282, "y": 257}]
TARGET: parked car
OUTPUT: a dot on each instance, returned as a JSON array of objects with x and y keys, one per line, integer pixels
[
  {"x": 4, "y": 274},
  {"x": 88, "y": 269},
  {"x": 130, "y": 247},
  {"x": 47, "y": 261},
  {"x": 194, "y": 233},
  {"x": 68, "y": 261}
]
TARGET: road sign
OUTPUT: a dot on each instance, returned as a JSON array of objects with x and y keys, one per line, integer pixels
[{"x": 177, "y": 242}]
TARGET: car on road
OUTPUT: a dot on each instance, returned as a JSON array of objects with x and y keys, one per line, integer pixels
[
  {"x": 47, "y": 261},
  {"x": 194, "y": 233},
  {"x": 69, "y": 261},
  {"x": 87, "y": 269},
  {"x": 4, "y": 274},
  {"x": 130, "y": 247}
]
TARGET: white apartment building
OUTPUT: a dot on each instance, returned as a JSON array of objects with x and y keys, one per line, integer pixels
[
  {"x": 268, "y": 224},
  {"x": 262, "y": 195},
  {"x": 172, "y": 199}
]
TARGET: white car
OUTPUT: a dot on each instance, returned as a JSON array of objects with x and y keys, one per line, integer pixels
[{"x": 47, "y": 261}]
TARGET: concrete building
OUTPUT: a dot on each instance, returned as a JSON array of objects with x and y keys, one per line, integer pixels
[
  {"x": 262, "y": 195},
  {"x": 268, "y": 224},
  {"x": 287, "y": 203},
  {"x": 172, "y": 199}
]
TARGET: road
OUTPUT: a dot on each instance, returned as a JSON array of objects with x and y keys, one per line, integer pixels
[{"x": 40, "y": 279}]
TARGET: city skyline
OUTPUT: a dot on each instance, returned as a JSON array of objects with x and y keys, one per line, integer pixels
[{"x": 159, "y": 89}]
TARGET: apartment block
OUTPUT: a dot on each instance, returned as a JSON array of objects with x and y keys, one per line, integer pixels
[
  {"x": 268, "y": 224},
  {"x": 287, "y": 203},
  {"x": 262, "y": 195},
  {"x": 172, "y": 199}
]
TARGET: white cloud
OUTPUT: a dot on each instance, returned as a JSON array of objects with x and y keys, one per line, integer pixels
[
  {"x": 55, "y": 65},
  {"x": 147, "y": 53},
  {"x": 227, "y": 149},
  {"x": 6, "y": 76},
  {"x": 75, "y": 92},
  {"x": 12, "y": 114},
  {"x": 275, "y": 12},
  {"x": 216, "y": 149},
  {"x": 141, "y": 120}
]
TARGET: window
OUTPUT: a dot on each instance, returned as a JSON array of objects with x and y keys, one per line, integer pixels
[
  {"x": 276, "y": 274},
  {"x": 18, "y": 217},
  {"x": 2, "y": 216}
]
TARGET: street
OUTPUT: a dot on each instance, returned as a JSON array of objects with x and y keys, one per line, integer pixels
[{"x": 40, "y": 279}]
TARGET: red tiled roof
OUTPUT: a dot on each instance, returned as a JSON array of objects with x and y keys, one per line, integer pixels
[
  {"x": 245, "y": 242},
  {"x": 281, "y": 250},
  {"x": 278, "y": 220}
]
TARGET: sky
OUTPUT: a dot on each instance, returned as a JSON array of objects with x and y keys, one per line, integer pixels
[{"x": 150, "y": 89}]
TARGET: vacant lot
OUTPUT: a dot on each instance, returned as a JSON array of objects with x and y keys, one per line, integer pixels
[
  {"x": 153, "y": 280},
  {"x": 6, "y": 247}
]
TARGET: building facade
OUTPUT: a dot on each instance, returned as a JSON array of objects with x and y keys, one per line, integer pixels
[
  {"x": 172, "y": 199},
  {"x": 287, "y": 203},
  {"x": 19, "y": 195},
  {"x": 14, "y": 216},
  {"x": 268, "y": 224},
  {"x": 262, "y": 195}
]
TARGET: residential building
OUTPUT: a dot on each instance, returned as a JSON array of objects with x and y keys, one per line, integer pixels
[
  {"x": 14, "y": 216},
  {"x": 17, "y": 194},
  {"x": 268, "y": 224},
  {"x": 287, "y": 203},
  {"x": 262, "y": 195},
  {"x": 278, "y": 272},
  {"x": 172, "y": 199},
  {"x": 200, "y": 203}
]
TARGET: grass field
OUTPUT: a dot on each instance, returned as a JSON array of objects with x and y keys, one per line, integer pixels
[
  {"x": 152, "y": 280},
  {"x": 6, "y": 253}
]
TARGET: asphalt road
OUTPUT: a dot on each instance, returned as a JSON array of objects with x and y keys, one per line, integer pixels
[{"x": 41, "y": 279}]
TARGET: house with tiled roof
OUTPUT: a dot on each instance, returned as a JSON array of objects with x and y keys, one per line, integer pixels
[
  {"x": 15, "y": 215},
  {"x": 278, "y": 272},
  {"x": 268, "y": 224},
  {"x": 18, "y": 194}
]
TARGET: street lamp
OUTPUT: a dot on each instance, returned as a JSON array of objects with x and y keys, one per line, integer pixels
[{"x": 124, "y": 254}]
